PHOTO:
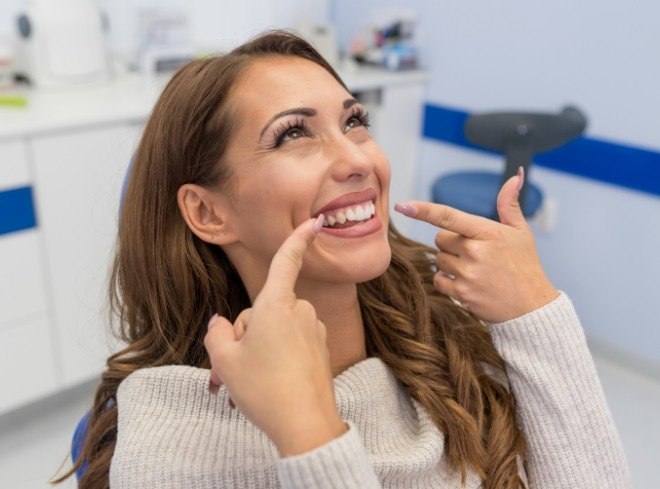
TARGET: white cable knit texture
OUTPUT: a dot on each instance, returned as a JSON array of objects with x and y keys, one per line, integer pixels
[{"x": 172, "y": 433}]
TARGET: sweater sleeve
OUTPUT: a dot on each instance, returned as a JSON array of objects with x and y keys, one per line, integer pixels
[
  {"x": 571, "y": 438},
  {"x": 341, "y": 463}
]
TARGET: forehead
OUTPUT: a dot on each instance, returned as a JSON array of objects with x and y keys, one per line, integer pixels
[{"x": 273, "y": 84}]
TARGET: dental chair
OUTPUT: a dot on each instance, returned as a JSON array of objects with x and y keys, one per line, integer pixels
[{"x": 519, "y": 136}]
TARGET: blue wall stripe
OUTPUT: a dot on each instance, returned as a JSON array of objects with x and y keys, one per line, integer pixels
[
  {"x": 617, "y": 164},
  {"x": 16, "y": 210}
]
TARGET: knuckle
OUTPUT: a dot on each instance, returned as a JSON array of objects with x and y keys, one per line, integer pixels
[
  {"x": 470, "y": 273},
  {"x": 462, "y": 291},
  {"x": 447, "y": 218},
  {"x": 496, "y": 233},
  {"x": 441, "y": 239},
  {"x": 473, "y": 247},
  {"x": 306, "y": 307}
]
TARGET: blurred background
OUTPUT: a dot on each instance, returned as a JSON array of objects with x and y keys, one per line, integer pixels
[{"x": 456, "y": 90}]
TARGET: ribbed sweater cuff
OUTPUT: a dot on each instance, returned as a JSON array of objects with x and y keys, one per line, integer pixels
[
  {"x": 558, "y": 313},
  {"x": 341, "y": 463}
]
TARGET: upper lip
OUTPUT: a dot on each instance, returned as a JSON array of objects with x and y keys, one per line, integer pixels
[{"x": 348, "y": 199}]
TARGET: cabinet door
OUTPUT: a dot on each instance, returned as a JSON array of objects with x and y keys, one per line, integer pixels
[
  {"x": 78, "y": 178},
  {"x": 21, "y": 283},
  {"x": 27, "y": 367},
  {"x": 26, "y": 362}
]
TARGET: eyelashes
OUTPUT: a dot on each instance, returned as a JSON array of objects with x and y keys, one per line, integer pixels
[{"x": 300, "y": 125}]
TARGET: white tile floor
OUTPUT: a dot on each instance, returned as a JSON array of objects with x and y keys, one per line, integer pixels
[{"x": 34, "y": 440}]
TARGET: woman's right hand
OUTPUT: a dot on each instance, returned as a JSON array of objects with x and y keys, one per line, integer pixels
[{"x": 274, "y": 361}]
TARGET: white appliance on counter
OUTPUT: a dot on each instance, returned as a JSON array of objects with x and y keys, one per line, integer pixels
[{"x": 63, "y": 42}]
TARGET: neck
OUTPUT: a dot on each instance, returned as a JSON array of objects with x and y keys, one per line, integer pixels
[{"x": 337, "y": 306}]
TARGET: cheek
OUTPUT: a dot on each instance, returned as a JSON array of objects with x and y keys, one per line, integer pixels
[
  {"x": 269, "y": 207},
  {"x": 382, "y": 166}
]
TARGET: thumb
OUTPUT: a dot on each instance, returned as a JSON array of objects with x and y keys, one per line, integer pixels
[{"x": 508, "y": 207}]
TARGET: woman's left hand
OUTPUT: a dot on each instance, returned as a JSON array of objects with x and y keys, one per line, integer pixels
[{"x": 495, "y": 268}]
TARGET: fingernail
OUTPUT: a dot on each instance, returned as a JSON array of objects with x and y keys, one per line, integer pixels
[
  {"x": 213, "y": 388},
  {"x": 521, "y": 177},
  {"x": 319, "y": 223},
  {"x": 406, "y": 209},
  {"x": 212, "y": 321}
]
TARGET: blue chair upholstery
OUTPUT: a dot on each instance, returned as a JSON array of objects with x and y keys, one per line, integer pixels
[
  {"x": 476, "y": 192},
  {"x": 77, "y": 444}
]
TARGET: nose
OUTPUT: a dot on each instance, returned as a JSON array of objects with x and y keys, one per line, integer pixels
[{"x": 348, "y": 159}]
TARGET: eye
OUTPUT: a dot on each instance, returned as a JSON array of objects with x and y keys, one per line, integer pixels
[
  {"x": 358, "y": 118},
  {"x": 290, "y": 131},
  {"x": 294, "y": 133}
]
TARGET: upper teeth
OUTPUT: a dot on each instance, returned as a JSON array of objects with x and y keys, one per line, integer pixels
[{"x": 357, "y": 212}]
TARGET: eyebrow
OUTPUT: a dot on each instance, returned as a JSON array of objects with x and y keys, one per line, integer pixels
[{"x": 306, "y": 111}]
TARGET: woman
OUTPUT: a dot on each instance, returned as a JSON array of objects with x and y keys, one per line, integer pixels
[{"x": 354, "y": 356}]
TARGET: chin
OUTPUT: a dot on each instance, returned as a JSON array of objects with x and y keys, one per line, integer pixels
[
  {"x": 362, "y": 267},
  {"x": 376, "y": 267}
]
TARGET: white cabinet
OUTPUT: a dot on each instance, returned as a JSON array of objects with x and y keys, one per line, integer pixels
[
  {"x": 27, "y": 365},
  {"x": 21, "y": 282},
  {"x": 78, "y": 186},
  {"x": 13, "y": 164}
]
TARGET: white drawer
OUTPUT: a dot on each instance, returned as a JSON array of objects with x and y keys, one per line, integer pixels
[
  {"x": 22, "y": 286},
  {"x": 13, "y": 165},
  {"x": 27, "y": 370}
]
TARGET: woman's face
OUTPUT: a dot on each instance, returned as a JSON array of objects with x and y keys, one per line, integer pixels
[{"x": 300, "y": 143}]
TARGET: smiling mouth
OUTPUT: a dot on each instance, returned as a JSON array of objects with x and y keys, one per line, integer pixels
[{"x": 351, "y": 215}]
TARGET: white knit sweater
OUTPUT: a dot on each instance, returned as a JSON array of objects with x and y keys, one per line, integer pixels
[{"x": 173, "y": 433}]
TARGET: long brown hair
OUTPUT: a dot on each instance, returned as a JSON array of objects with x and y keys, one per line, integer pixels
[{"x": 166, "y": 283}]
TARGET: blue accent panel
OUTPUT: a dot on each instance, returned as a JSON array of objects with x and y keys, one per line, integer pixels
[
  {"x": 605, "y": 161},
  {"x": 608, "y": 162},
  {"x": 16, "y": 210}
]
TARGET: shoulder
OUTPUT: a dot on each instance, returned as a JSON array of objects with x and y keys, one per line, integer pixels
[
  {"x": 174, "y": 374},
  {"x": 171, "y": 390},
  {"x": 170, "y": 427}
]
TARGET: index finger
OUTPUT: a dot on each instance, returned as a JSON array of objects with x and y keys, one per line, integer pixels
[
  {"x": 287, "y": 262},
  {"x": 445, "y": 217}
]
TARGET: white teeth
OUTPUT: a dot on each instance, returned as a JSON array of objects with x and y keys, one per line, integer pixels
[
  {"x": 357, "y": 213},
  {"x": 366, "y": 211}
]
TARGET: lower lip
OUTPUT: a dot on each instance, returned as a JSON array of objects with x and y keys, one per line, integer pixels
[{"x": 368, "y": 227}]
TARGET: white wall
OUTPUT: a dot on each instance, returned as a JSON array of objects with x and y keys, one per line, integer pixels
[
  {"x": 216, "y": 24},
  {"x": 538, "y": 55}
]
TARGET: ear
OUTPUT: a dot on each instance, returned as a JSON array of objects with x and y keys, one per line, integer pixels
[{"x": 206, "y": 213}]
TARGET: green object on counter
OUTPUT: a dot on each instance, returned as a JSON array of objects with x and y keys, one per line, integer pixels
[{"x": 13, "y": 100}]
